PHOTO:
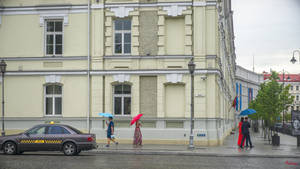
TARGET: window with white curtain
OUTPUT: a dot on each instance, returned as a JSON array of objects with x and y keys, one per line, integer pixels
[
  {"x": 122, "y": 36},
  {"x": 122, "y": 99},
  {"x": 53, "y": 100},
  {"x": 54, "y": 37}
]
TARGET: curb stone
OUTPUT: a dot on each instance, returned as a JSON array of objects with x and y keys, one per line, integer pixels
[{"x": 187, "y": 153}]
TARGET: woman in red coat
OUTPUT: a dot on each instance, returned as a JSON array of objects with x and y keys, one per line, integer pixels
[{"x": 240, "y": 132}]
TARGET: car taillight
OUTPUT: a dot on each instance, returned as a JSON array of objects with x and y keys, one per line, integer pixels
[{"x": 90, "y": 139}]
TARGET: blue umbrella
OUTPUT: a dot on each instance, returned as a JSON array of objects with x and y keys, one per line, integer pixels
[
  {"x": 105, "y": 114},
  {"x": 247, "y": 112}
]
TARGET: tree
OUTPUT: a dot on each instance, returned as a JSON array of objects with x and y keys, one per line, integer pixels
[{"x": 271, "y": 100}]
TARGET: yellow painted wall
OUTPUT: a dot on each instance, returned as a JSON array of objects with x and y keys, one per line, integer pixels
[
  {"x": 24, "y": 96},
  {"x": 75, "y": 35},
  {"x": 74, "y": 96},
  {"x": 22, "y": 36},
  {"x": 47, "y": 65}
]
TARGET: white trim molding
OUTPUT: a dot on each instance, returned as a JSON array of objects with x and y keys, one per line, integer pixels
[
  {"x": 53, "y": 79},
  {"x": 174, "y": 78},
  {"x": 121, "y": 11},
  {"x": 203, "y": 4},
  {"x": 41, "y": 10},
  {"x": 112, "y": 72},
  {"x": 121, "y": 78},
  {"x": 65, "y": 18},
  {"x": 174, "y": 10}
]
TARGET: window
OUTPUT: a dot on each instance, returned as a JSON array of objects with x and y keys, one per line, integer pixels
[
  {"x": 57, "y": 130},
  {"x": 54, "y": 37},
  {"x": 53, "y": 99},
  {"x": 37, "y": 130},
  {"x": 292, "y": 107},
  {"x": 297, "y": 97},
  {"x": 292, "y": 87},
  {"x": 122, "y": 99},
  {"x": 122, "y": 37},
  {"x": 297, "y": 108},
  {"x": 297, "y": 87}
]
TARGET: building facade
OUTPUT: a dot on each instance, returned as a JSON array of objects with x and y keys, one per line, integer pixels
[
  {"x": 69, "y": 60},
  {"x": 247, "y": 87},
  {"x": 294, "y": 81}
]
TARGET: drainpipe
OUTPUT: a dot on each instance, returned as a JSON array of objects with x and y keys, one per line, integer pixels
[{"x": 88, "y": 71}]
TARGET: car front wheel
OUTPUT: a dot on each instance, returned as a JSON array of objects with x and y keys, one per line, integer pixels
[
  {"x": 69, "y": 149},
  {"x": 10, "y": 148}
]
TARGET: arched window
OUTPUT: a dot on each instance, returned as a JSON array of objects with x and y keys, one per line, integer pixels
[
  {"x": 122, "y": 99},
  {"x": 53, "y": 100}
]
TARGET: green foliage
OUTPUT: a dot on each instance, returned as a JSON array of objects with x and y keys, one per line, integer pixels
[{"x": 271, "y": 100}]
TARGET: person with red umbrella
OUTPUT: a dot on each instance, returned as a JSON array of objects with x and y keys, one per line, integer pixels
[{"x": 137, "y": 137}]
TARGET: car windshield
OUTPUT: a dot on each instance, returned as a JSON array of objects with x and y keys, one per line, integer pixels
[{"x": 75, "y": 130}]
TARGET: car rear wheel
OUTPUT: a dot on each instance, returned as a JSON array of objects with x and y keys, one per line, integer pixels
[
  {"x": 69, "y": 149},
  {"x": 10, "y": 148}
]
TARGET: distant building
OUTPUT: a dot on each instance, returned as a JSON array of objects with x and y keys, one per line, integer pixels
[
  {"x": 294, "y": 81},
  {"x": 247, "y": 86}
]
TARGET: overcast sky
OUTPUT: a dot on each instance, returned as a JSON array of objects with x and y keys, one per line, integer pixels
[{"x": 269, "y": 30}]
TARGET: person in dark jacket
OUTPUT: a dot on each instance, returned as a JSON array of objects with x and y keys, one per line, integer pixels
[{"x": 246, "y": 134}]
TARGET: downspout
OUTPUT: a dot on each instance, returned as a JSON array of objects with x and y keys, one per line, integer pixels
[{"x": 88, "y": 71}]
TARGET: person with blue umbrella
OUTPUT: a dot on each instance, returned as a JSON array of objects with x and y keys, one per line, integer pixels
[{"x": 110, "y": 128}]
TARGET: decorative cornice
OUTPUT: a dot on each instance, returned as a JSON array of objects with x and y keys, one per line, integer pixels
[
  {"x": 54, "y": 16},
  {"x": 44, "y": 58},
  {"x": 211, "y": 56},
  {"x": 121, "y": 11},
  {"x": 149, "y": 57},
  {"x": 174, "y": 10},
  {"x": 121, "y": 78},
  {"x": 66, "y": 9},
  {"x": 174, "y": 78},
  {"x": 112, "y": 72},
  {"x": 41, "y": 10},
  {"x": 52, "y": 79}
]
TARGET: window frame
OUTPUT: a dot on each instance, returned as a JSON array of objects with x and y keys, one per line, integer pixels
[
  {"x": 122, "y": 96},
  {"x": 53, "y": 100},
  {"x": 122, "y": 32},
  {"x": 65, "y": 131},
  {"x": 54, "y": 35}
]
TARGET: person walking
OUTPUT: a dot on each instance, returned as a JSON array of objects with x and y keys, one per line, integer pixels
[
  {"x": 137, "y": 138},
  {"x": 110, "y": 132},
  {"x": 240, "y": 132},
  {"x": 246, "y": 133}
]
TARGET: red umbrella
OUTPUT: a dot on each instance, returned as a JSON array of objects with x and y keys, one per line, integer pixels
[{"x": 136, "y": 118}]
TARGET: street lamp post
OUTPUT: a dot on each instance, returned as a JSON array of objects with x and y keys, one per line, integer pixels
[
  {"x": 283, "y": 80},
  {"x": 3, "y": 69},
  {"x": 192, "y": 66},
  {"x": 293, "y": 60}
]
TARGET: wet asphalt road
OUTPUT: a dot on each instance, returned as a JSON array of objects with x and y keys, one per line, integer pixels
[{"x": 115, "y": 161}]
